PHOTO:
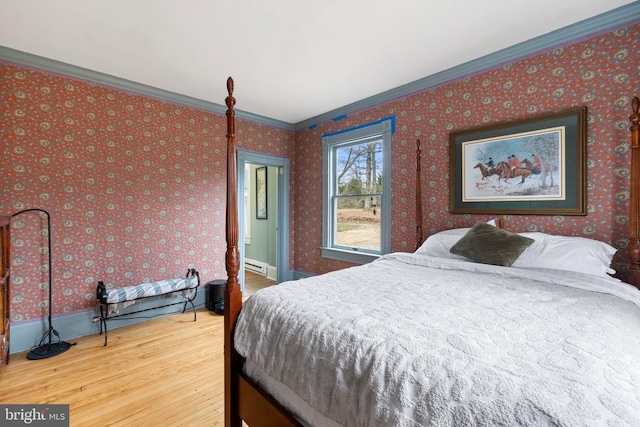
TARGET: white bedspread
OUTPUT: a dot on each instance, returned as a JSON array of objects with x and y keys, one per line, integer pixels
[{"x": 412, "y": 341}]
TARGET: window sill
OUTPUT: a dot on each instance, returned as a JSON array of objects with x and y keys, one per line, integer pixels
[{"x": 349, "y": 256}]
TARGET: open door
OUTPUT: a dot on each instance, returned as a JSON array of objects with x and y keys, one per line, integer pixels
[{"x": 264, "y": 224}]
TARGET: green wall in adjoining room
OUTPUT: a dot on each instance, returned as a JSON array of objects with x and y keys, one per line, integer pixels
[{"x": 263, "y": 231}]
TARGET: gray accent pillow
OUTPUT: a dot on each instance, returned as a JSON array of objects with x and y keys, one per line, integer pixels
[{"x": 487, "y": 244}]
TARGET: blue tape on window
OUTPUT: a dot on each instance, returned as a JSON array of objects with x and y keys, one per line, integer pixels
[
  {"x": 312, "y": 127},
  {"x": 337, "y": 119},
  {"x": 377, "y": 122},
  {"x": 393, "y": 123}
]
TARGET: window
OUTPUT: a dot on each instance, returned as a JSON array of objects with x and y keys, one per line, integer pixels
[{"x": 356, "y": 197}]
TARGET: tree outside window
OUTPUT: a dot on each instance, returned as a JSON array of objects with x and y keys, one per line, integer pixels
[{"x": 356, "y": 193}]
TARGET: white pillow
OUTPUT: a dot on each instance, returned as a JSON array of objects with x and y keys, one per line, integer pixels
[
  {"x": 438, "y": 245},
  {"x": 567, "y": 253},
  {"x": 556, "y": 252}
]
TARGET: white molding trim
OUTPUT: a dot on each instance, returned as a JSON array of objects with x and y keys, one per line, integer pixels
[{"x": 272, "y": 272}]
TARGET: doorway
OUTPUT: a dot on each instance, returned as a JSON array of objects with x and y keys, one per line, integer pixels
[{"x": 263, "y": 220}]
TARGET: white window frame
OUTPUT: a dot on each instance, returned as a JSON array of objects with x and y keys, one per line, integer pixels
[{"x": 378, "y": 130}]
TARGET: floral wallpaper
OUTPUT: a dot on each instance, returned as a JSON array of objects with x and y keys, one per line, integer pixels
[
  {"x": 602, "y": 73},
  {"x": 135, "y": 187}
]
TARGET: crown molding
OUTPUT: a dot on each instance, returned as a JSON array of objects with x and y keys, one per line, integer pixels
[
  {"x": 605, "y": 22},
  {"x": 29, "y": 60},
  {"x": 599, "y": 24}
]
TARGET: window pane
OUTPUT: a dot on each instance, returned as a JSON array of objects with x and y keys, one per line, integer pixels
[
  {"x": 356, "y": 208},
  {"x": 359, "y": 168},
  {"x": 358, "y": 222}
]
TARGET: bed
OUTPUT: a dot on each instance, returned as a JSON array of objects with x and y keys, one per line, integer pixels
[{"x": 501, "y": 341}]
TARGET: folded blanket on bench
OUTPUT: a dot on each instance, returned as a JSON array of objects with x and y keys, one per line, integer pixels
[
  {"x": 113, "y": 300},
  {"x": 145, "y": 290},
  {"x": 118, "y": 298}
]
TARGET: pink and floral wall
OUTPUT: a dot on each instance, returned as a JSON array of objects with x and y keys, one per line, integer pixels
[
  {"x": 135, "y": 187},
  {"x": 602, "y": 73}
]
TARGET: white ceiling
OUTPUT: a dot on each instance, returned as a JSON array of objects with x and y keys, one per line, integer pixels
[{"x": 291, "y": 59}]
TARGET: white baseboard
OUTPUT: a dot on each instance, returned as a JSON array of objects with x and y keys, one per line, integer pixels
[{"x": 272, "y": 273}]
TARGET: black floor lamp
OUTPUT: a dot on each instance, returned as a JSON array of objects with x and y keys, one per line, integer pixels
[{"x": 47, "y": 347}]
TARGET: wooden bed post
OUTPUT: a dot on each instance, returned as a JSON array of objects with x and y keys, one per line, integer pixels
[
  {"x": 232, "y": 294},
  {"x": 243, "y": 399},
  {"x": 418, "y": 197},
  {"x": 634, "y": 197}
]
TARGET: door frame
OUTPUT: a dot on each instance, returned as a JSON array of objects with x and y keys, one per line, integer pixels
[{"x": 282, "y": 232}]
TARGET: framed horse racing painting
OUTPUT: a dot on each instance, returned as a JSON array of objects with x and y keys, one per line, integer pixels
[{"x": 530, "y": 166}]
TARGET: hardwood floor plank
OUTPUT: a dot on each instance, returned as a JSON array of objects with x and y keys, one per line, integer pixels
[
  {"x": 165, "y": 372},
  {"x": 253, "y": 282}
]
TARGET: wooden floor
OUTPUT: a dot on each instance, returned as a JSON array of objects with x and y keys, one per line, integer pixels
[
  {"x": 163, "y": 372},
  {"x": 254, "y": 282}
]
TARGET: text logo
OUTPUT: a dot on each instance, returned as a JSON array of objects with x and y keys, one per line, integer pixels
[{"x": 34, "y": 415}]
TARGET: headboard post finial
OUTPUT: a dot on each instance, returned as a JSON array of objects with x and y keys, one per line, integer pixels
[
  {"x": 230, "y": 86},
  {"x": 230, "y": 100}
]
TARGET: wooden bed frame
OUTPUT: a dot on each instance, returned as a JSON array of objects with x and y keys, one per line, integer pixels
[{"x": 246, "y": 401}]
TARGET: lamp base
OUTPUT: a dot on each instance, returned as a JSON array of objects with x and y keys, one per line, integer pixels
[{"x": 48, "y": 350}]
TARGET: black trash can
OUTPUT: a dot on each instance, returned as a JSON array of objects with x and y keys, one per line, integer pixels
[{"x": 215, "y": 295}]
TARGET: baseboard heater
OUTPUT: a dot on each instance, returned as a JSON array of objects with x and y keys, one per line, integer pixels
[{"x": 258, "y": 267}]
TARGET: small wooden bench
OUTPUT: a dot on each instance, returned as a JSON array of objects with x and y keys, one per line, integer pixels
[{"x": 115, "y": 299}]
